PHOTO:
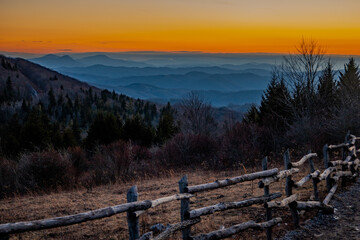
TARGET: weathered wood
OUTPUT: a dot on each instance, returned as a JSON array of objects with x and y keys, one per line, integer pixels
[
  {"x": 327, "y": 173},
  {"x": 282, "y": 174},
  {"x": 307, "y": 178},
  {"x": 314, "y": 205},
  {"x": 341, "y": 145},
  {"x": 185, "y": 206},
  {"x": 343, "y": 174},
  {"x": 314, "y": 180},
  {"x": 9, "y": 228},
  {"x": 330, "y": 194},
  {"x": 303, "y": 160},
  {"x": 230, "y": 205},
  {"x": 264, "y": 168},
  {"x": 283, "y": 203},
  {"x": 159, "y": 201},
  {"x": 231, "y": 181},
  {"x": 327, "y": 165},
  {"x": 288, "y": 190},
  {"x": 337, "y": 163},
  {"x": 356, "y": 164},
  {"x": 146, "y": 236},
  {"x": 132, "y": 219},
  {"x": 268, "y": 212},
  {"x": 176, "y": 227},
  {"x": 227, "y": 232},
  {"x": 347, "y": 159}
]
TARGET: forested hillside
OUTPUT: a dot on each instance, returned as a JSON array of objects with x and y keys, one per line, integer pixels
[{"x": 41, "y": 108}]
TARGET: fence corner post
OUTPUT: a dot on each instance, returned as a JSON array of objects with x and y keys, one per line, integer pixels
[
  {"x": 133, "y": 221},
  {"x": 185, "y": 206},
  {"x": 264, "y": 164},
  {"x": 288, "y": 190},
  {"x": 326, "y": 164}
]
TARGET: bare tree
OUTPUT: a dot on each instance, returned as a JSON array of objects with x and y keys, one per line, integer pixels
[
  {"x": 301, "y": 71},
  {"x": 198, "y": 115}
]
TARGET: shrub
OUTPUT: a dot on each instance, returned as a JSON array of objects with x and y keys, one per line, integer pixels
[
  {"x": 45, "y": 171},
  {"x": 8, "y": 181},
  {"x": 186, "y": 150},
  {"x": 240, "y": 145}
]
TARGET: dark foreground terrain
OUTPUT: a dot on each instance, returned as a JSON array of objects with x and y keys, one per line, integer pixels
[{"x": 344, "y": 224}]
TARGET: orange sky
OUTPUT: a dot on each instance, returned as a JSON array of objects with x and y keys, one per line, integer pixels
[{"x": 274, "y": 26}]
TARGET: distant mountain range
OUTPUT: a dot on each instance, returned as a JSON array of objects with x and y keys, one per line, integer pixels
[
  {"x": 216, "y": 98},
  {"x": 223, "y": 85},
  {"x": 54, "y": 61}
]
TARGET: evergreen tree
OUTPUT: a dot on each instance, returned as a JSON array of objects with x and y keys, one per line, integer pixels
[
  {"x": 9, "y": 91},
  {"x": 136, "y": 130},
  {"x": 274, "y": 108},
  {"x": 252, "y": 115},
  {"x": 327, "y": 96},
  {"x": 52, "y": 101},
  {"x": 167, "y": 127},
  {"x": 105, "y": 129},
  {"x": 349, "y": 98},
  {"x": 349, "y": 81}
]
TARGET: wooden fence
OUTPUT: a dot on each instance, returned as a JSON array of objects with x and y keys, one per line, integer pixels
[{"x": 341, "y": 169}]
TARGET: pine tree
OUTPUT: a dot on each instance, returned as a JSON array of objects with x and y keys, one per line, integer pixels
[
  {"x": 274, "y": 109},
  {"x": 327, "y": 96},
  {"x": 349, "y": 81},
  {"x": 349, "y": 98},
  {"x": 167, "y": 127}
]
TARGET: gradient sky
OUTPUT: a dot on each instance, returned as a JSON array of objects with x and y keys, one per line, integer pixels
[{"x": 274, "y": 26}]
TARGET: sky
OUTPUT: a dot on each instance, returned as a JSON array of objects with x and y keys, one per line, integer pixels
[{"x": 227, "y": 26}]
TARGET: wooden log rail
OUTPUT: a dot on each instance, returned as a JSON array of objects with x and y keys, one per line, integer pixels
[
  {"x": 19, "y": 227},
  {"x": 230, "y": 205},
  {"x": 307, "y": 178},
  {"x": 303, "y": 160},
  {"x": 159, "y": 201},
  {"x": 283, "y": 203},
  {"x": 341, "y": 145},
  {"x": 330, "y": 194},
  {"x": 231, "y": 181},
  {"x": 176, "y": 227},
  {"x": 228, "y": 232},
  {"x": 314, "y": 205},
  {"x": 327, "y": 172},
  {"x": 282, "y": 174}
]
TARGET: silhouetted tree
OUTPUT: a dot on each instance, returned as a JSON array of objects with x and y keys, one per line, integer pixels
[
  {"x": 167, "y": 126},
  {"x": 197, "y": 115}
]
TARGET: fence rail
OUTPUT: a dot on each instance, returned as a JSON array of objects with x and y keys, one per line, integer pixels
[{"x": 332, "y": 175}]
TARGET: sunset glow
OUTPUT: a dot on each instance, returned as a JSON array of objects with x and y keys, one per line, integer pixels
[{"x": 272, "y": 26}]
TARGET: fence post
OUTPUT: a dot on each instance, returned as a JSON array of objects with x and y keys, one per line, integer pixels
[
  {"x": 133, "y": 221},
  {"x": 185, "y": 206},
  {"x": 314, "y": 180},
  {"x": 267, "y": 193},
  {"x": 288, "y": 190},
  {"x": 344, "y": 153},
  {"x": 326, "y": 163}
]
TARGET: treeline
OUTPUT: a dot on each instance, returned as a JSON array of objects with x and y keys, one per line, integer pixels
[
  {"x": 58, "y": 121},
  {"x": 307, "y": 103}
]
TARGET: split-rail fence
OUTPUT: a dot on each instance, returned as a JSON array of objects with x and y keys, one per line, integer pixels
[{"x": 343, "y": 169}]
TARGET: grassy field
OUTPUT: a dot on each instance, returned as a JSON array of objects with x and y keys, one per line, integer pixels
[{"x": 31, "y": 207}]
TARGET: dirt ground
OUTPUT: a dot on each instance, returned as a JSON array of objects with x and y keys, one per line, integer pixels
[
  {"x": 32, "y": 207},
  {"x": 343, "y": 224}
]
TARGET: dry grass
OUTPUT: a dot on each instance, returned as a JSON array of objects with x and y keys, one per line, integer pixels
[{"x": 64, "y": 203}]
